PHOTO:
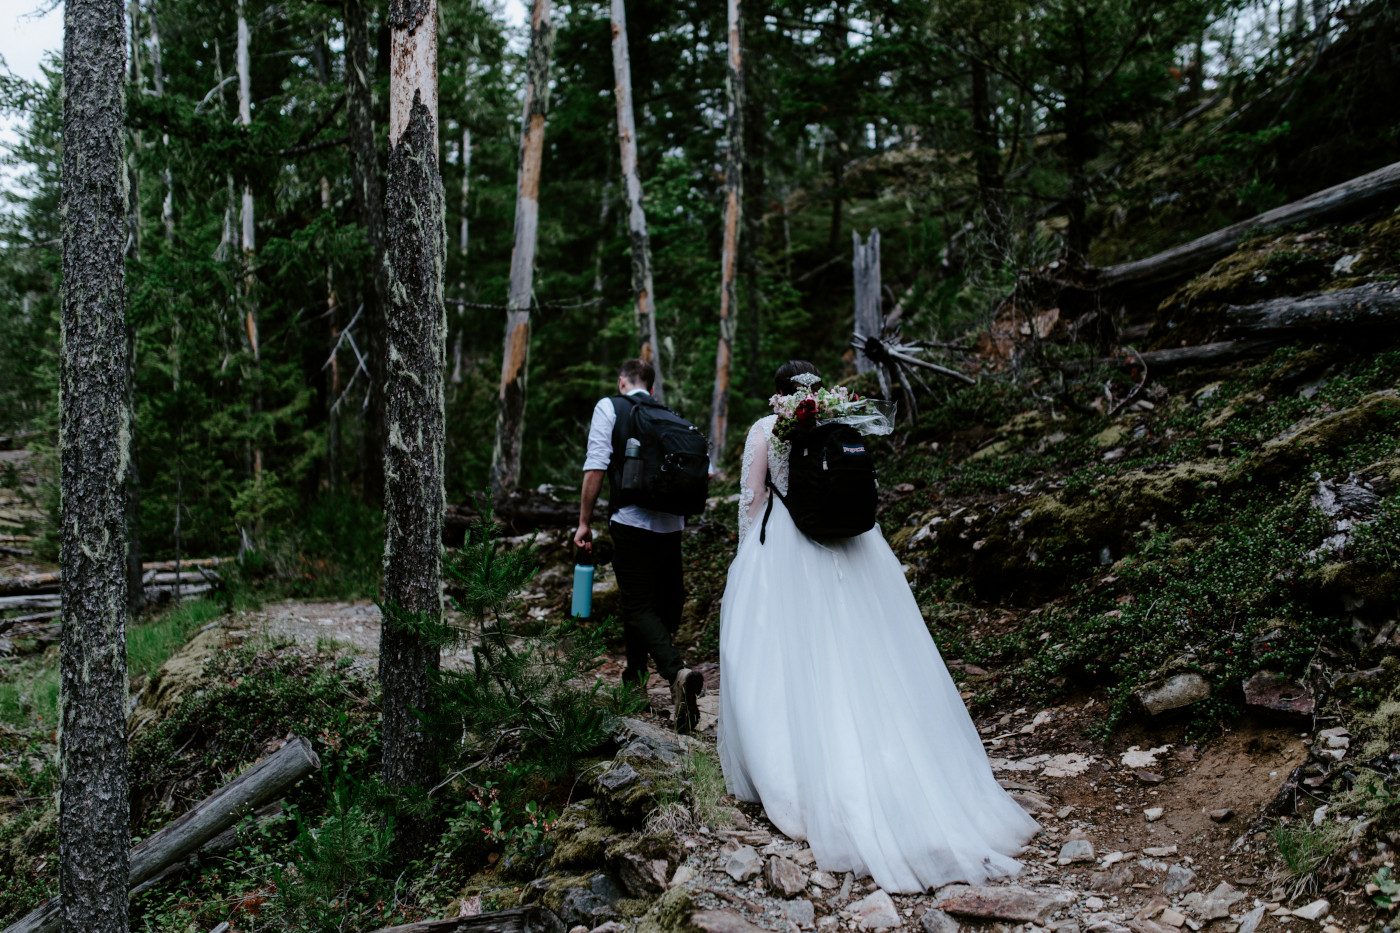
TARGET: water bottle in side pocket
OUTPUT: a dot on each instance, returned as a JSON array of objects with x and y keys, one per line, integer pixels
[{"x": 632, "y": 465}]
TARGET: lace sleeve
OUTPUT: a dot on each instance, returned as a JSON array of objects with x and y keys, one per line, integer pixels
[{"x": 753, "y": 493}]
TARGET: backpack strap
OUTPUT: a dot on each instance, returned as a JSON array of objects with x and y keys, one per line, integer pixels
[{"x": 768, "y": 509}]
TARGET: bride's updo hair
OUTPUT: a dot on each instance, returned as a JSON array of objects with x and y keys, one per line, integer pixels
[{"x": 783, "y": 377}]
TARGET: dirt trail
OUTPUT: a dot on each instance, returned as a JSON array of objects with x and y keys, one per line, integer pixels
[{"x": 1142, "y": 872}]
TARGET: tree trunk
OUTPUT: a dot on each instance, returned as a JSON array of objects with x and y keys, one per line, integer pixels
[
  {"x": 755, "y": 183},
  {"x": 648, "y": 347},
  {"x": 369, "y": 201},
  {"x": 986, "y": 151},
  {"x": 265, "y": 781},
  {"x": 1358, "y": 311},
  {"x": 866, "y": 266},
  {"x": 466, "y": 189},
  {"x": 1350, "y": 198},
  {"x": 167, "y": 207},
  {"x": 510, "y": 416},
  {"x": 733, "y": 208},
  {"x": 93, "y": 451},
  {"x": 249, "y": 240},
  {"x": 333, "y": 367},
  {"x": 416, "y": 251}
]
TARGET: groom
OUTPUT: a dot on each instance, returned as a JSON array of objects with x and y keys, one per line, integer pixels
[{"x": 646, "y": 553}]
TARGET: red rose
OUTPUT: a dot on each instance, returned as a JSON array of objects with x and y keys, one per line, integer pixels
[{"x": 806, "y": 410}]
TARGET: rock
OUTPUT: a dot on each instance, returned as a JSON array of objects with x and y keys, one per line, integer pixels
[
  {"x": 1149, "y": 777},
  {"x": 1222, "y": 814},
  {"x": 1149, "y": 926},
  {"x": 1135, "y": 757},
  {"x": 584, "y": 901},
  {"x": 1111, "y": 882},
  {"x": 1314, "y": 911},
  {"x": 744, "y": 864},
  {"x": 828, "y": 923},
  {"x": 1007, "y": 902},
  {"x": 802, "y": 913},
  {"x": 1076, "y": 850},
  {"x": 579, "y": 929},
  {"x": 1226, "y": 893},
  {"x": 722, "y": 921},
  {"x": 846, "y": 884},
  {"x": 936, "y": 921},
  {"x": 612, "y": 926},
  {"x": 1177, "y": 691},
  {"x": 1159, "y": 851},
  {"x": 1179, "y": 880},
  {"x": 1112, "y": 858},
  {"x": 1274, "y": 695},
  {"x": 1171, "y": 918},
  {"x": 683, "y": 874},
  {"x": 825, "y": 880},
  {"x": 784, "y": 878},
  {"x": 1153, "y": 814},
  {"x": 875, "y": 911},
  {"x": 804, "y": 858},
  {"x": 642, "y": 877},
  {"x": 1093, "y": 903},
  {"x": 1250, "y": 921},
  {"x": 1032, "y": 803}
]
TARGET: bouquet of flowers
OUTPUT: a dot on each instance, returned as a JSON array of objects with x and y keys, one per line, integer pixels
[{"x": 812, "y": 405}]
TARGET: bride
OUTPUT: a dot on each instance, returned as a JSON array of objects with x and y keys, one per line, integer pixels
[{"x": 836, "y": 711}]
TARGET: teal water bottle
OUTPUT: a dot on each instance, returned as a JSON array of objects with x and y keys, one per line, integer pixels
[{"x": 583, "y": 586}]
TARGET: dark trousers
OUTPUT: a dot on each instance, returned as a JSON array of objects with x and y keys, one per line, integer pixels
[{"x": 648, "y": 566}]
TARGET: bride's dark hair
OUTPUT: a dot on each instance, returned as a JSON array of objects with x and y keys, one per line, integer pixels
[{"x": 783, "y": 377}]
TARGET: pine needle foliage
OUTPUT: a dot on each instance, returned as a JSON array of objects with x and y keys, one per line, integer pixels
[{"x": 535, "y": 689}]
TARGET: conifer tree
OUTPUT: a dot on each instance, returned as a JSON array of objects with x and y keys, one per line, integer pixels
[
  {"x": 416, "y": 250},
  {"x": 93, "y": 437}
]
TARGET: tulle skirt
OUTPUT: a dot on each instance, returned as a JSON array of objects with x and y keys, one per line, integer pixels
[{"x": 839, "y": 716}]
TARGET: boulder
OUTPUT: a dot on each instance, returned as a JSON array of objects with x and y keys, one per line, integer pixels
[
  {"x": 1002, "y": 902},
  {"x": 744, "y": 864},
  {"x": 618, "y": 778},
  {"x": 641, "y": 876},
  {"x": 584, "y": 900},
  {"x": 1175, "y": 692},
  {"x": 1279, "y": 697},
  {"x": 783, "y": 877},
  {"x": 875, "y": 911}
]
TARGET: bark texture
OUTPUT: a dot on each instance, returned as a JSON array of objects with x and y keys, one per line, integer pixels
[
  {"x": 369, "y": 203},
  {"x": 733, "y": 209},
  {"x": 866, "y": 268},
  {"x": 640, "y": 240},
  {"x": 94, "y": 433},
  {"x": 531, "y": 919},
  {"x": 510, "y": 412},
  {"x": 416, "y": 250}
]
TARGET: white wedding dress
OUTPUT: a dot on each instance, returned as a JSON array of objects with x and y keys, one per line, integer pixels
[{"x": 838, "y": 714}]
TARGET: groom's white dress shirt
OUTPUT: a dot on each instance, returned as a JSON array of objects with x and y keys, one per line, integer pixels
[{"x": 600, "y": 449}]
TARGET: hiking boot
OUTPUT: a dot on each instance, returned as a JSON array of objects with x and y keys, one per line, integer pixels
[{"x": 685, "y": 690}]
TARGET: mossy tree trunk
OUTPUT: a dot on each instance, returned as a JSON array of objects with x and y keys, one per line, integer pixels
[
  {"x": 510, "y": 413},
  {"x": 733, "y": 209},
  {"x": 93, "y": 443},
  {"x": 643, "y": 292},
  {"x": 755, "y": 184},
  {"x": 369, "y": 202},
  {"x": 415, "y": 252}
]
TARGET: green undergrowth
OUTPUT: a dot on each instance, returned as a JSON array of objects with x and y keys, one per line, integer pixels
[
  {"x": 1194, "y": 585},
  {"x": 334, "y": 550}
]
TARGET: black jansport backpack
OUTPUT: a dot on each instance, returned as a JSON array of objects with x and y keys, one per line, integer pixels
[
  {"x": 831, "y": 484},
  {"x": 674, "y": 474}
]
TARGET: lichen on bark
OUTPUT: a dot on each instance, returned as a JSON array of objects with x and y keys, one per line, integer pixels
[
  {"x": 414, "y": 500},
  {"x": 94, "y": 435}
]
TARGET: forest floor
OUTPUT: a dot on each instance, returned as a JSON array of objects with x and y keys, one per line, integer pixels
[{"x": 1141, "y": 871}]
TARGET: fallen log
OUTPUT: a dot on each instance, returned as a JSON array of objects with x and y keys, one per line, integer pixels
[
  {"x": 1203, "y": 354},
  {"x": 1347, "y": 199},
  {"x": 532, "y": 919},
  {"x": 263, "y": 783},
  {"x": 188, "y": 576},
  {"x": 1359, "y": 310},
  {"x": 163, "y": 565},
  {"x": 162, "y": 571}
]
